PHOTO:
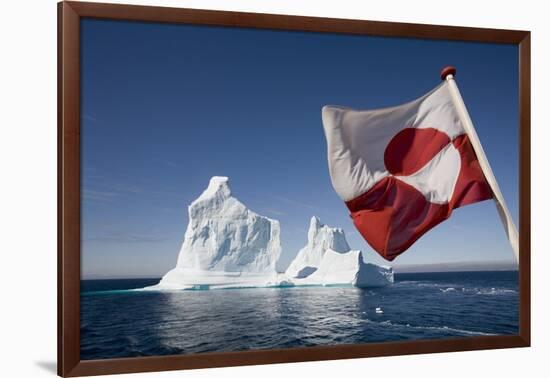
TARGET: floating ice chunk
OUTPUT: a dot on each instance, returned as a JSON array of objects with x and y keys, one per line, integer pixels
[
  {"x": 225, "y": 245},
  {"x": 328, "y": 260},
  {"x": 320, "y": 238}
]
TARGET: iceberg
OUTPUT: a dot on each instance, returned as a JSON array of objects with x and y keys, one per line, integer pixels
[
  {"x": 327, "y": 259},
  {"x": 320, "y": 238},
  {"x": 227, "y": 245}
]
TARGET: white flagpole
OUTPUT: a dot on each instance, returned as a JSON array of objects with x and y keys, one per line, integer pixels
[{"x": 448, "y": 74}]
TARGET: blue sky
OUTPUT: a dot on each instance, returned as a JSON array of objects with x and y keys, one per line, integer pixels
[{"x": 165, "y": 107}]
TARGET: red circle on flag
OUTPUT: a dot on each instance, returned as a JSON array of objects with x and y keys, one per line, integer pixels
[{"x": 413, "y": 148}]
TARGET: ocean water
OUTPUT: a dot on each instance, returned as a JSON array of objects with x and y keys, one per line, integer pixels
[{"x": 117, "y": 322}]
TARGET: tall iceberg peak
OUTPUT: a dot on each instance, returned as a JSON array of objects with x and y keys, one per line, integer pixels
[
  {"x": 328, "y": 260},
  {"x": 218, "y": 188},
  {"x": 320, "y": 238},
  {"x": 323, "y": 236},
  {"x": 224, "y": 235},
  {"x": 225, "y": 243}
]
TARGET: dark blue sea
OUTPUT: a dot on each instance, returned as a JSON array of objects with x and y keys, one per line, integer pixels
[{"x": 118, "y": 322}]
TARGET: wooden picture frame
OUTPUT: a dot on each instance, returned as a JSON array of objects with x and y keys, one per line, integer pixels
[{"x": 69, "y": 202}]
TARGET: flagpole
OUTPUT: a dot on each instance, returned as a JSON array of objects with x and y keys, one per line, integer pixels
[{"x": 448, "y": 74}]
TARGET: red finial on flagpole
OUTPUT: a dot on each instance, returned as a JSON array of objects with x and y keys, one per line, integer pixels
[{"x": 449, "y": 70}]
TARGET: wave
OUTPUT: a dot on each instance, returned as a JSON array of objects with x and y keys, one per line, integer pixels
[
  {"x": 448, "y": 290},
  {"x": 454, "y": 288},
  {"x": 493, "y": 291},
  {"x": 435, "y": 328}
]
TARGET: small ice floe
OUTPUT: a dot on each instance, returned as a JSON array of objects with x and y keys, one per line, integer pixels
[{"x": 378, "y": 310}]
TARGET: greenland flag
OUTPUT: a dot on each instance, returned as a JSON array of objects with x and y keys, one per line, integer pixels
[{"x": 402, "y": 170}]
